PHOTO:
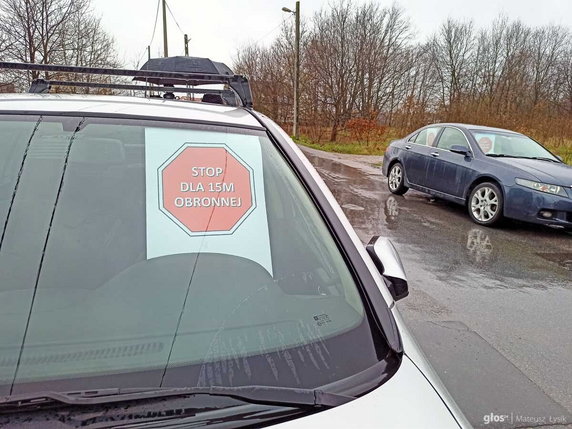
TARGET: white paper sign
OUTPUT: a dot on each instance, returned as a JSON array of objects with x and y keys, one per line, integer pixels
[{"x": 205, "y": 194}]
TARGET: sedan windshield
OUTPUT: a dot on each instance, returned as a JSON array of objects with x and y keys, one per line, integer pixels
[
  {"x": 139, "y": 254},
  {"x": 498, "y": 143}
]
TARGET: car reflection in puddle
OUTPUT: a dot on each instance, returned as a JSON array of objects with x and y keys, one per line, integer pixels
[
  {"x": 480, "y": 249},
  {"x": 391, "y": 211},
  {"x": 462, "y": 250}
]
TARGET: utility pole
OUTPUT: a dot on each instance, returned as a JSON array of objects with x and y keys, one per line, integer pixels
[
  {"x": 296, "y": 14},
  {"x": 297, "y": 76},
  {"x": 165, "y": 44},
  {"x": 149, "y": 58},
  {"x": 186, "y": 55}
]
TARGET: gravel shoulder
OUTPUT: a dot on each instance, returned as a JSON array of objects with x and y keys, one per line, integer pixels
[{"x": 371, "y": 164}]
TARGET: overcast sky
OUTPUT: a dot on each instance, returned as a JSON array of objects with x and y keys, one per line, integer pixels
[{"x": 217, "y": 28}]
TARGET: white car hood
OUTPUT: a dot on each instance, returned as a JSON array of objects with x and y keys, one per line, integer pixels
[{"x": 406, "y": 400}]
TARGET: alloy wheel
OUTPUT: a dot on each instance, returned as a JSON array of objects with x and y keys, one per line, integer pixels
[
  {"x": 485, "y": 204},
  {"x": 395, "y": 177}
]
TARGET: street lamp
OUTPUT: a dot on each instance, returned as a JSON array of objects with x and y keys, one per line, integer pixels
[{"x": 296, "y": 14}]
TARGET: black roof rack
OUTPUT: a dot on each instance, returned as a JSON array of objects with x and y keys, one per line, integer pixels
[{"x": 164, "y": 72}]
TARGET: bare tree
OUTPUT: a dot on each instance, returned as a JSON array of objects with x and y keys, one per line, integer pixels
[
  {"x": 452, "y": 50},
  {"x": 547, "y": 46},
  {"x": 53, "y": 31},
  {"x": 333, "y": 66},
  {"x": 566, "y": 73},
  {"x": 382, "y": 34}
]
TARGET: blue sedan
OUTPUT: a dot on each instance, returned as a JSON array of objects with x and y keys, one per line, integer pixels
[{"x": 495, "y": 173}]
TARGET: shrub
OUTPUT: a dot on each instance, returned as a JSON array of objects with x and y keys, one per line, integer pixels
[{"x": 364, "y": 130}]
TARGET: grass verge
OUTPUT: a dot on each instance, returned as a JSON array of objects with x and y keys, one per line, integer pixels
[
  {"x": 560, "y": 148},
  {"x": 354, "y": 148}
]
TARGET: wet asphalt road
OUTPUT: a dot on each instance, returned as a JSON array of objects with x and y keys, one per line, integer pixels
[{"x": 491, "y": 308}]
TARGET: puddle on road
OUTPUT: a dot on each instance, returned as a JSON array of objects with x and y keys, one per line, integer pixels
[
  {"x": 562, "y": 259},
  {"x": 439, "y": 237}
]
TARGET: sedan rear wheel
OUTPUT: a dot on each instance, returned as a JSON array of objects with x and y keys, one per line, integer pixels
[
  {"x": 395, "y": 179},
  {"x": 486, "y": 204}
]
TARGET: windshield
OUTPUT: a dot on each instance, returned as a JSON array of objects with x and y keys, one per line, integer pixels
[
  {"x": 156, "y": 254},
  {"x": 497, "y": 143}
]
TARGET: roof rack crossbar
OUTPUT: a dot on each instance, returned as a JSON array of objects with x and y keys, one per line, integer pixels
[
  {"x": 131, "y": 87},
  {"x": 237, "y": 82}
]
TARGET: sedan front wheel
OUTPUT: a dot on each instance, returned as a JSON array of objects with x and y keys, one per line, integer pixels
[{"x": 486, "y": 204}]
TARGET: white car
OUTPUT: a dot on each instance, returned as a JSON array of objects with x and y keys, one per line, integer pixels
[{"x": 166, "y": 263}]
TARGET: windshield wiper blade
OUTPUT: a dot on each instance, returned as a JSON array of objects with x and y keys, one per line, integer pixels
[
  {"x": 283, "y": 396},
  {"x": 542, "y": 158},
  {"x": 502, "y": 155}
]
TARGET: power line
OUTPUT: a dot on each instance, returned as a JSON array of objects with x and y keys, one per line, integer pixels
[
  {"x": 154, "y": 28},
  {"x": 155, "y": 25},
  {"x": 174, "y": 19},
  {"x": 273, "y": 29}
]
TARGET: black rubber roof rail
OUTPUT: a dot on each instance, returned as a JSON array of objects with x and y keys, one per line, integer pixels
[{"x": 196, "y": 71}]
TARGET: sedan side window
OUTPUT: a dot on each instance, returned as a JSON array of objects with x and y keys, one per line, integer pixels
[
  {"x": 421, "y": 137},
  {"x": 427, "y": 136},
  {"x": 450, "y": 137}
]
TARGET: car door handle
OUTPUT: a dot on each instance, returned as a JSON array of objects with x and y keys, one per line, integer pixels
[
  {"x": 435, "y": 154},
  {"x": 408, "y": 147}
]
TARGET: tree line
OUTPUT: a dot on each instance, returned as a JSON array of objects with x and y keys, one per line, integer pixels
[
  {"x": 361, "y": 64},
  {"x": 53, "y": 32}
]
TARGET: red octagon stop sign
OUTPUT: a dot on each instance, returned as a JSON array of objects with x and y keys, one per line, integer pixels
[{"x": 206, "y": 189}]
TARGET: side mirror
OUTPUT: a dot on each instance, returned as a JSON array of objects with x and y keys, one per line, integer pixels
[
  {"x": 387, "y": 261},
  {"x": 463, "y": 150}
]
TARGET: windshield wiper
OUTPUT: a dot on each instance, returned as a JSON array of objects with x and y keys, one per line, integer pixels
[
  {"x": 282, "y": 396},
  {"x": 542, "y": 158},
  {"x": 502, "y": 155}
]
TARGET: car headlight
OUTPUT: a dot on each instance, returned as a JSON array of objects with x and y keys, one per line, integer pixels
[{"x": 542, "y": 187}]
